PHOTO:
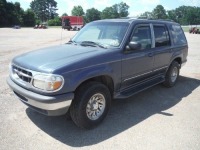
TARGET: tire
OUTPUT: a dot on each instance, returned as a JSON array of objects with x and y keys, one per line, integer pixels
[
  {"x": 172, "y": 74},
  {"x": 90, "y": 105}
]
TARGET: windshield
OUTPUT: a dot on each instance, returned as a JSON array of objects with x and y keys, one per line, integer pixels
[{"x": 107, "y": 34}]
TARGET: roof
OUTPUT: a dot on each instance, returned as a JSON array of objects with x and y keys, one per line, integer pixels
[{"x": 130, "y": 20}]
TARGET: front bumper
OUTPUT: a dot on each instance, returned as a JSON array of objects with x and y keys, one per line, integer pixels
[{"x": 48, "y": 105}]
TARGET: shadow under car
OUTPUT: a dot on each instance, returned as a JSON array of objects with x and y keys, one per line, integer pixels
[{"x": 124, "y": 114}]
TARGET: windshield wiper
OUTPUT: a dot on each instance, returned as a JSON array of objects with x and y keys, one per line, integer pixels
[
  {"x": 71, "y": 42},
  {"x": 91, "y": 43}
]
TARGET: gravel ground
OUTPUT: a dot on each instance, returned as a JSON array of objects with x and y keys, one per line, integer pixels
[{"x": 158, "y": 118}]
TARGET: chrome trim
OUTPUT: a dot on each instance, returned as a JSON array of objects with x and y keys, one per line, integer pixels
[
  {"x": 34, "y": 73},
  {"x": 160, "y": 68},
  {"x": 21, "y": 73},
  {"x": 48, "y": 106},
  {"x": 141, "y": 82},
  {"x": 138, "y": 76},
  {"x": 132, "y": 57},
  {"x": 95, "y": 106},
  {"x": 145, "y": 73}
]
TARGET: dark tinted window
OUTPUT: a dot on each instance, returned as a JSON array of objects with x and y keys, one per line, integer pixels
[
  {"x": 178, "y": 35},
  {"x": 142, "y": 35},
  {"x": 161, "y": 36}
]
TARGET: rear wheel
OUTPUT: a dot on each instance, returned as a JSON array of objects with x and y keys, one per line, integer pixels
[
  {"x": 90, "y": 105},
  {"x": 172, "y": 74}
]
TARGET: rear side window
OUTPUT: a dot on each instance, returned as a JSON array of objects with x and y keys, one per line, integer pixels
[
  {"x": 161, "y": 36},
  {"x": 178, "y": 35}
]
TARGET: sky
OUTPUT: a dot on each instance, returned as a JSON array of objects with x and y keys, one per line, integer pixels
[{"x": 137, "y": 7}]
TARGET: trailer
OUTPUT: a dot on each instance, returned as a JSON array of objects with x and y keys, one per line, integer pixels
[{"x": 72, "y": 22}]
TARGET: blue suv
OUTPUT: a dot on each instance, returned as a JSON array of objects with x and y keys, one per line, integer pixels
[{"x": 107, "y": 59}]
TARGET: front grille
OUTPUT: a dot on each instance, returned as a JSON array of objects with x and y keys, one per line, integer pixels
[{"x": 23, "y": 74}]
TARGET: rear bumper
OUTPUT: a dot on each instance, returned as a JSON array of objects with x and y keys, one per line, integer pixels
[{"x": 48, "y": 105}]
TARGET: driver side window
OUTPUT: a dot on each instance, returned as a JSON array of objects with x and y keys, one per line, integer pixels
[{"x": 142, "y": 36}]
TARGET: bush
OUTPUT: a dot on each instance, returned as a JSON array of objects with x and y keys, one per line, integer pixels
[
  {"x": 55, "y": 22},
  {"x": 38, "y": 22}
]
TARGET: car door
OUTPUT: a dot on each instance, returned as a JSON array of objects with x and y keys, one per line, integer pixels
[
  {"x": 162, "y": 50},
  {"x": 136, "y": 64}
]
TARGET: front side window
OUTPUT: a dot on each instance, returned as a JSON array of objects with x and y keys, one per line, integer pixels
[
  {"x": 161, "y": 36},
  {"x": 109, "y": 34},
  {"x": 142, "y": 35}
]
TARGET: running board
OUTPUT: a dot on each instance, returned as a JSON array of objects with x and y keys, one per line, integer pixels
[{"x": 138, "y": 88}]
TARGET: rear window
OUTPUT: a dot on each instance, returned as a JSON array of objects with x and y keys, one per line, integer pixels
[
  {"x": 178, "y": 35},
  {"x": 161, "y": 36}
]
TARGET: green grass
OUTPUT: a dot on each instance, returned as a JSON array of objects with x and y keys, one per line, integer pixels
[
  {"x": 186, "y": 29},
  {"x": 55, "y": 27}
]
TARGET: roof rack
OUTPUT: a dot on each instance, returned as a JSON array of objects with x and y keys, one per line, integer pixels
[
  {"x": 147, "y": 18},
  {"x": 161, "y": 19},
  {"x": 143, "y": 17},
  {"x": 129, "y": 18}
]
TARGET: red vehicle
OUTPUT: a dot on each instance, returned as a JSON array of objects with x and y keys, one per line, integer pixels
[{"x": 72, "y": 22}]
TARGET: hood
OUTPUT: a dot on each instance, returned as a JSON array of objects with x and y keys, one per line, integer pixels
[{"x": 51, "y": 58}]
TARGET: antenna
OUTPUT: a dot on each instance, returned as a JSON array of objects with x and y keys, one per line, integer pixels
[{"x": 61, "y": 36}]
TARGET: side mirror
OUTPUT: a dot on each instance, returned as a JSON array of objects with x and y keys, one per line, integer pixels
[{"x": 133, "y": 46}]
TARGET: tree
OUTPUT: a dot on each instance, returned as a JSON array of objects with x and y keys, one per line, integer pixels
[
  {"x": 181, "y": 13},
  {"x": 18, "y": 11},
  {"x": 115, "y": 11},
  {"x": 52, "y": 4},
  {"x": 146, "y": 15},
  {"x": 171, "y": 14},
  {"x": 188, "y": 15},
  {"x": 29, "y": 18},
  {"x": 123, "y": 9},
  {"x": 109, "y": 13},
  {"x": 64, "y": 14},
  {"x": 159, "y": 12},
  {"x": 92, "y": 15},
  {"x": 3, "y": 13},
  {"x": 77, "y": 11},
  {"x": 10, "y": 14},
  {"x": 44, "y": 9}
]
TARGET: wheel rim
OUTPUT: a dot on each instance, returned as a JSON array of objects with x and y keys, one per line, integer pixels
[
  {"x": 95, "y": 106},
  {"x": 174, "y": 74}
]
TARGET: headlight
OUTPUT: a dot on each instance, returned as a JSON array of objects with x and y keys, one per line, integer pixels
[{"x": 48, "y": 82}]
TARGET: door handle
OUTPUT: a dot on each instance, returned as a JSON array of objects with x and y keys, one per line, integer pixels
[{"x": 150, "y": 54}]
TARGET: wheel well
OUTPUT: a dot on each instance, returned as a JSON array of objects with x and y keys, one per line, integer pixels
[
  {"x": 106, "y": 80},
  {"x": 178, "y": 60}
]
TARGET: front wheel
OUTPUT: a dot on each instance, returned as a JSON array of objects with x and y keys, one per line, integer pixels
[
  {"x": 172, "y": 74},
  {"x": 90, "y": 105}
]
